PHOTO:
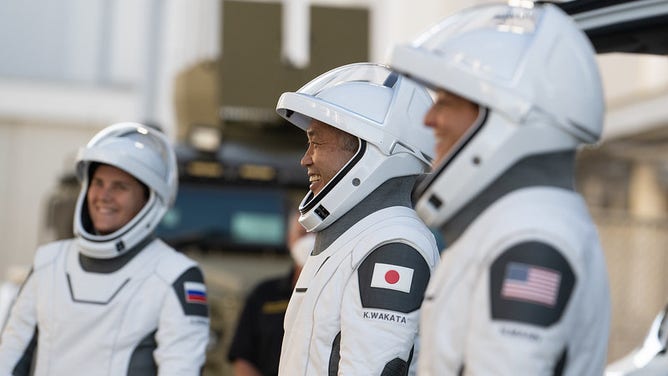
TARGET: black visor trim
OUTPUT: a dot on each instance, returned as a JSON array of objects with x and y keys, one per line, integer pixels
[
  {"x": 90, "y": 229},
  {"x": 431, "y": 178}
]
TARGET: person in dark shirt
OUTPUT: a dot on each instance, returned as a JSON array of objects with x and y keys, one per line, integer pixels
[{"x": 256, "y": 346}]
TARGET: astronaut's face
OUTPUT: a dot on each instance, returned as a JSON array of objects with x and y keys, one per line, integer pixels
[
  {"x": 329, "y": 149},
  {"x": 114, "y": 197},
  {"x": 450, "y": 117}
]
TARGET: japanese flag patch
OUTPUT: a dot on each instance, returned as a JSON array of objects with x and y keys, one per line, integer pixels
[
  {"x": 195, "y": 292},
  {"x": 392, "y": 277}
]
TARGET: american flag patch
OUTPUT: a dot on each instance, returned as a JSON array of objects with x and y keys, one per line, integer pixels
[
  {"x": 195, "y": 292},
  {"x": 530, "y": 283}
]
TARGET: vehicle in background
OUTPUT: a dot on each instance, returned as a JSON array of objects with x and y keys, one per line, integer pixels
[
  {"x": 237, "y": 190},
  {"x": 633, "y": 27}
]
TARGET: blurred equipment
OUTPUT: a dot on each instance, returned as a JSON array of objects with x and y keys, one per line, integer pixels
[
  {"x": 230, "y": 215},
  {"x": 238, "y": 162},
  {"x": 60, "y": 208},
  {"x": 254, "y": 71},
  {"x": 650, "y": 358}
]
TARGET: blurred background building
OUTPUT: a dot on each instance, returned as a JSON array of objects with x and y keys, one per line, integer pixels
[{"x": 71, "y": 67}]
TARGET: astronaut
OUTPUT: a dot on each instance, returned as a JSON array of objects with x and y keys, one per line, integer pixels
[
  {"x": 522, "y": 288},
  {"x": 115, "y": 300},
  {"x": 355, "y": 307}
]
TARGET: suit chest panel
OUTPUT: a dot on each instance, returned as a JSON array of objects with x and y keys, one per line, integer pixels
[{"x": 100, "y": 311}]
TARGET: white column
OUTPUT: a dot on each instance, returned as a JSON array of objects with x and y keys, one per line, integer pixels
[
  {"x": 647, "y": 199},
  {"x": 190, "y": 34}
]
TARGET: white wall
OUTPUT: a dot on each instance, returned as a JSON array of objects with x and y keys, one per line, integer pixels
[
  {"x": 636, "y": 91},
  {"x": 33, "y": 159},
  {"x": 97, "y": 66},
  {"x": 42, "y": 127}
]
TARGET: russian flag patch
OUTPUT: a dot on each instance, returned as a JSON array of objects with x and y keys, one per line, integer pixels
[{"x": 195, "y": 292}]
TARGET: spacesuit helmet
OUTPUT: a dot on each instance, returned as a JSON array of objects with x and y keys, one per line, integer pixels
[
  {"x": 147, "y": 155},
  {"x": 384, "y": 110},
  {"x": 533, "y": 74}
]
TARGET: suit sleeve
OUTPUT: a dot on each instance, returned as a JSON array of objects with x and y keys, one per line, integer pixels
[
  {"x": 19, "y": 336},
  {"x": 380, "y": 313},
  {"x": 524, "y": 295},
  {"x": 183, "y": 330}
]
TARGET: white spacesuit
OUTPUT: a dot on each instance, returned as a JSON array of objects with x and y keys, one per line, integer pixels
[
  {"x": 523, "y": 292},
  {"x": 122, "y": 303},
  {"x": 522, "y": 287},
  {"x": 346, "y": 306},
  {"x": 355, "y": 307}
]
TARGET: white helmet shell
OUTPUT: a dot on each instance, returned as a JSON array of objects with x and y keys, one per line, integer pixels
[
  {"x": 384, "y": 111},
  {"x": 534, "y": 75},
  {"x": 146, "y": 154}
]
